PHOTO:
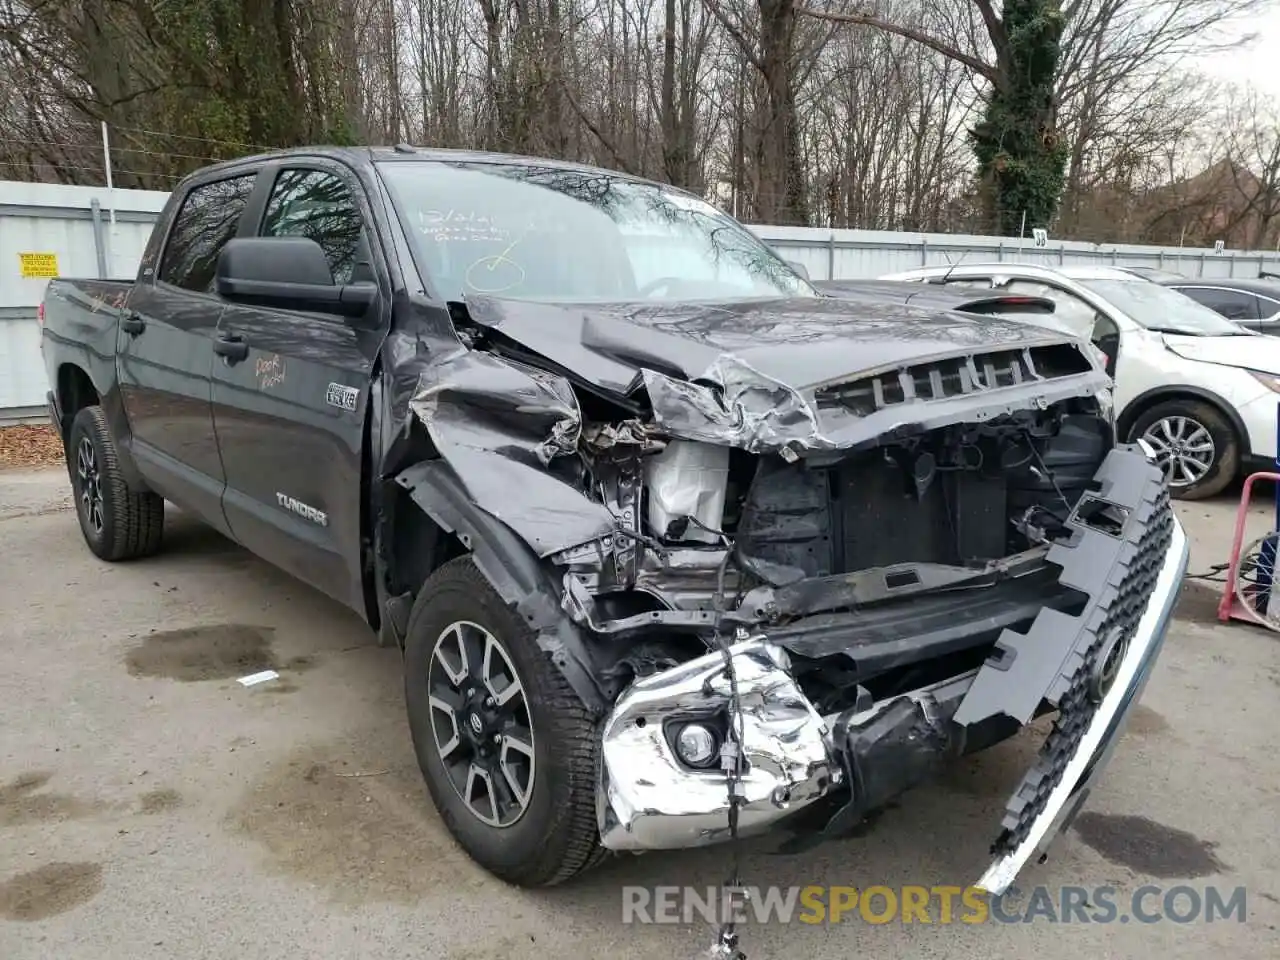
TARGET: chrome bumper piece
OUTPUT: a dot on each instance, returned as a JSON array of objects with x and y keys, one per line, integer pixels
[{"x": 648, "y": 800}]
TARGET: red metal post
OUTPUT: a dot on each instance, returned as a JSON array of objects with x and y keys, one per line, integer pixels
[{"x": 1233, "y": 568}]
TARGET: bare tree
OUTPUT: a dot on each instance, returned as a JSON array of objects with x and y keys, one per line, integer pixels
[
  {"x": 440, "y": 64},
  {"x": 891, "y": 132},
  {"x": 848, "y": 113},
  {"x": 1102, "y": 49},
  {"x": 770, "y": 39}
]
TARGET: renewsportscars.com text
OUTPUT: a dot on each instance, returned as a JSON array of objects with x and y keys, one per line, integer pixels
[{"x": 937, "y": 905}]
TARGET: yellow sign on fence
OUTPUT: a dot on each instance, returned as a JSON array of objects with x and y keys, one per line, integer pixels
[{"x": 38, "y": 265}]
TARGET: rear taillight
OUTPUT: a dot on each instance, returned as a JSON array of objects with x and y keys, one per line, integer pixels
[{"x": 40, "y": 314}]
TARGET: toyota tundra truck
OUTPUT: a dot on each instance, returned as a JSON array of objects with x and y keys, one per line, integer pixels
[{"x": 677, "y": 547}]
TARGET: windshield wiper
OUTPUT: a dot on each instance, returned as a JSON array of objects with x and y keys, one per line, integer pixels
[{"x": 1182, "y": 332}]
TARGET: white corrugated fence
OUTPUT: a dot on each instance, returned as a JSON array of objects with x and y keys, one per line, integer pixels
[
  {"x": 51, "y": 227},
  {"x": 48, "y": 227}
]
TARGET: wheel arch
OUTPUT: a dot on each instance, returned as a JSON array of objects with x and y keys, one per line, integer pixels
[
  {"x": 409, "y": 546},
  {"x": 450, "y": 525},
  {"x": 75, "y": 391},
  {"x": 76, "y": 388},
  {"x": 1145, "y": 401}
]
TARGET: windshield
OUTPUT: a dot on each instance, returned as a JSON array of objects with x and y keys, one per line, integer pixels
[
  {"x": 1166, "y": 311},
  {"x": 545, "y": 233}
]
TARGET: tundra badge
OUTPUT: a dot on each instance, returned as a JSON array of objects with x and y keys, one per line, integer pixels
[
  {"x": 303, "y": 510},
  {"x": 341, "y": 396}
]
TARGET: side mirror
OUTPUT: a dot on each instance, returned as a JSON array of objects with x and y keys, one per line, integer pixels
[
  {"x": 290, "y": 273},
  {"x": 1106, "y": 338},
  {"x": 799, "y": 268}
]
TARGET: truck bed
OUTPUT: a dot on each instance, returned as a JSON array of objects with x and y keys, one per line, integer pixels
[
  {"x": 72, "y": 296},
  {"x": 79, "y": 313},
  {"x": 78, "y": 330}
]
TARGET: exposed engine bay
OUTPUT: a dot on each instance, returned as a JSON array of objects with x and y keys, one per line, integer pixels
[
  {"x": 798, "y": 561},
  {"x": 828, "y": 548}
]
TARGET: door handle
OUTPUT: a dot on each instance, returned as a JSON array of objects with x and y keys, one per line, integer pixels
[
  {"x": 231, "y": 347},
  {"x": 132, "y": 324}
]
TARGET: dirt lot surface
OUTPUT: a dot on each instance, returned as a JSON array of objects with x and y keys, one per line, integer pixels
[{"x": 151, "y": 807}]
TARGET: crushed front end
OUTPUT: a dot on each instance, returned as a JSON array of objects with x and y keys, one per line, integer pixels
[
  {"x": 790, "y": 597},
  {"x": 1078, "y": 637}
]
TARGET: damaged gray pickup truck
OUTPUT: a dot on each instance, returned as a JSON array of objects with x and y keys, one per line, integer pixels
[{"x": 676, "y": 546}]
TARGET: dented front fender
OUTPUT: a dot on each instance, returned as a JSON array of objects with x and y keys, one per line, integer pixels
[{"x": 512, "y": 568}]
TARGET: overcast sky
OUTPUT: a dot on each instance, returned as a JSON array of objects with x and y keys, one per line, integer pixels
[{"x": 1259, "y": 63}]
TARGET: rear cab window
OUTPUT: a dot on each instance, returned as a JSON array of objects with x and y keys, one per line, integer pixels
[{"x": 208, "y": 217}]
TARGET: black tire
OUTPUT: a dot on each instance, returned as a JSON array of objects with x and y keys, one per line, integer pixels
[
  {"x": 118, "y": 522},
  {"x": 555, "y": 837},
  {"x": 1226, "y": 445}
]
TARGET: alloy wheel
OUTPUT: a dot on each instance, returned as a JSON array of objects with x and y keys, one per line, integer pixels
[
  {"x": 480, "y": 723},
  {"x": 1183, "y": 447},
  {"x": 90, "y": 483}
]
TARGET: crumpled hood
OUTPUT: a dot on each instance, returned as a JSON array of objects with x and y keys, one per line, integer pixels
[
  {"x": 507, "y": 418},
  {"x": 800, "y": 342},
  {"x": 1261, "y": 353},
  {"x": 747, "y": 374}
]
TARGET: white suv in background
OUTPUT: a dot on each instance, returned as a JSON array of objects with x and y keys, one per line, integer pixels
[{"x": 1200, "y": 389}]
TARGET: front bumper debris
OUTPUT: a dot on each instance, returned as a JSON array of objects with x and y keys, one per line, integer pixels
[
  {"x": 648, "y": 800},
  {"x": 1081, "y": 768},
  {"x": 1127, "y": 553}
]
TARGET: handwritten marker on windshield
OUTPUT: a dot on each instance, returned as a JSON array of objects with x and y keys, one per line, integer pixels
[{"x": 253, "y": 679}]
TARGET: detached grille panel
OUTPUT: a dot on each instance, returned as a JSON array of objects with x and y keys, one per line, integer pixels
[{"x": 1124, "y": 609}]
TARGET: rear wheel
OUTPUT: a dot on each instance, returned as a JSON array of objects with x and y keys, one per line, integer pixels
[
  {"x": 1194, "y": 444},
  {"x": 118, "y": 522},
  {"x": 505, "y": 746}
]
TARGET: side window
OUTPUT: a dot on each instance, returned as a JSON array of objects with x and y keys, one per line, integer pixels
[
  {"x": 1232, "y": 304},
  {"x": 207, "y": 219},
  {"x": 1268, "y": 309},
  {"x": 1235, "y": 304},
  {"x": 1069, "y": 311},
  {"x": 318, "y": 205},
  {"x": 1269, "y": 317}
]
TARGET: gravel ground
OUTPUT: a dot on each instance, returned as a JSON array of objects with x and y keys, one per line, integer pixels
[{"x": 151, "y": 807}]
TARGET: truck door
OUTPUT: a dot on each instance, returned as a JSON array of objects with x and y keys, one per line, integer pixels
[
  {"x": 165, "y": 349},
  {"x": 290, "y": 395}
]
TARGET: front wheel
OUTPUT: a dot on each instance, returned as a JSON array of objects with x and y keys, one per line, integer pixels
[
  {"x": 118, "y": 522},
  {"x": 1193, "y": 443},
  {"x": 507, "y": 749}
]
